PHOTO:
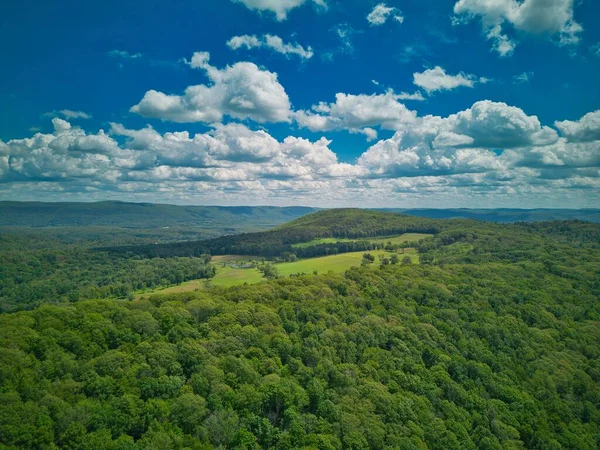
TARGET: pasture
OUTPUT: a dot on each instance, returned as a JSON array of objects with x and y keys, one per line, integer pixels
[
  {"x": 230, "y": 273},
  {"x": 395, "y": 240}
]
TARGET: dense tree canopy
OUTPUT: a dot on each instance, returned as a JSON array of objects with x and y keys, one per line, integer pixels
[
  {"x": 459, "y": 357},
  {"x": 492, "y": 342},
  {"x": 340, "y": 223}
]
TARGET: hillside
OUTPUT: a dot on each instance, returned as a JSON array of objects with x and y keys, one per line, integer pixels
[
  {"x": 145, "y": 215},
  {"x": 505, "y": 215},
  {"x": 336, "y": 223},
  {"x": 357, "y": 223}
]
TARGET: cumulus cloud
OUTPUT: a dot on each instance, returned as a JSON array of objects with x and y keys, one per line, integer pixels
[
  {"x": 486, "y": 124},
  {"x": 393, "y": 158},
  {"x": 381, "y": 13},
  {"x": 242, "y": 91},
  {"x": 460, "y": 143},
  {"x": 67, "y": 153},
  {"x": 230, "y": 152},
  {"x": 416, "y": 96},
  {"x": 585, "y": 129},
  {"x": 357, "y": 113},
  {"x": 488, "y": 148},
  {"x": 437, "y": 79},
  {"x": 280, "y": 8},
  {"x": 272, "y": 42},
  {"x": 550, "y": 17}
]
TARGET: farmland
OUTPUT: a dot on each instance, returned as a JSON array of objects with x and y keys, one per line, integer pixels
[
  {"x": 231, "y": 269},
  {"x": 395, "y": 240}
]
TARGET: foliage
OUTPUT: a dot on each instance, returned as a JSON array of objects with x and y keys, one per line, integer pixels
[
  {"x": 146, "y": 215},
  {"x": 492, "y": 343},
  {"x": 30, "y": 278},
  {"x": 456, "y": 357},
  {"x": 339, "y": 223}
]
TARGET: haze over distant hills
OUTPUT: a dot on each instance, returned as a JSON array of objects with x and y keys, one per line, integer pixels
[
  {"x": 229, "y": 219},
  {"x": 146, "y": 215},
  {"x": 505, "y": 214}
]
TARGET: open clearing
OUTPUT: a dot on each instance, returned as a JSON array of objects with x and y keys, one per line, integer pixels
[
  {"x": 396, "y": 240},
  {"x": 231, "y": 276},
  {"x": 336, "y": 263}
]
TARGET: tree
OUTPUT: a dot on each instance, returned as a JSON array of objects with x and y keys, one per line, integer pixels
[
  {"x": 407, "y": 260},
  {"x": 367, "y": 258},
  {"x": 269, "y": 271}
]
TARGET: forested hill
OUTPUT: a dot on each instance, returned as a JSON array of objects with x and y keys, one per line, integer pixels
[
  {"x": 145, "y": 215},
  {"x": 150, "y": 215},
  {"x": 357, "y": 223},
  {"x": 336, "y": 223},
  {"x": 505, "y": 215}
]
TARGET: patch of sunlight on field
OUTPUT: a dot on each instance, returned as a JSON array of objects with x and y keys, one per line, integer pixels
[
  {"x": 231, "y": 276},
  {"x": 398, "y": 239},
  {"x": 337, "y": 263}
]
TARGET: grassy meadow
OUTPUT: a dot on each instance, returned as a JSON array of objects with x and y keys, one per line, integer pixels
[
  {"x": 230, "y": 276},
  {"x": 395, "y": 240}
]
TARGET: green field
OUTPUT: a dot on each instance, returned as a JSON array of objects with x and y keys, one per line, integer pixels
[
  {"x": 398, "y": 239},
  {"x": 335, "y": 263},
  {"x": 230, "y": 276}
]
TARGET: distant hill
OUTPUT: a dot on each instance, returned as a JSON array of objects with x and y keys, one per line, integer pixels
[
  {"x": 146, "y": 215},
  {"x": 335, "y": 223},
  {"x": 233, "y": 219},
  {"x": 504, "y": 215},
  {"x": 357, "y": 223}
]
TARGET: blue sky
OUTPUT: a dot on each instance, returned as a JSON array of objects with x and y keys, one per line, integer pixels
[{"x": 467, "y": 103}]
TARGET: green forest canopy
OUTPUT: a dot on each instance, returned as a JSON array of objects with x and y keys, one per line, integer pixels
[{"x": 493, "y": 342}]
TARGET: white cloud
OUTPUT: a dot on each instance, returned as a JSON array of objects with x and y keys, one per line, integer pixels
[
  {"x": 437, "y": 79},
  {"x": 247, "y": 41},
  {"x": 391, "y": 158},
  {"x": 122, "y": 54},
  {"x": 585, "y": 129},
  {"x": 550, "y": 17},
  {"x": 486, "y": 153},
  {"x": 523, "y": 78},
  {"x": 231, "y": 152},
  {"x": 381, "y": 13},
  {"x": 501, "y": 43},
  {"x": 242, "y": 91},
  {"x": 462, "y": 143},
  {"x": 344, "y": 33},
  {"x": 356, "y": 112},
  {"x": 416, "y": 96},
  {"x": 272, "y": 42},
  {"x": 280, "y": 8},
  {"x": 68, "y": 114},
  {"x": 68, "y": 153}
]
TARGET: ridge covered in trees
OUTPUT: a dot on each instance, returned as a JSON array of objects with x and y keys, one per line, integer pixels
[
  {"x": 337, "y": 223},
  {"x": 492, "y": 342}
]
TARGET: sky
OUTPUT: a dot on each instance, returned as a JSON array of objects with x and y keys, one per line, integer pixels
[{"x": 331, "y": 103}]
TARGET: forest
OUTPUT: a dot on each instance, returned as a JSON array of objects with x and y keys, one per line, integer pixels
[
  {"x": 492, "y": 342},
  {"x": 339, "y": 223}
]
